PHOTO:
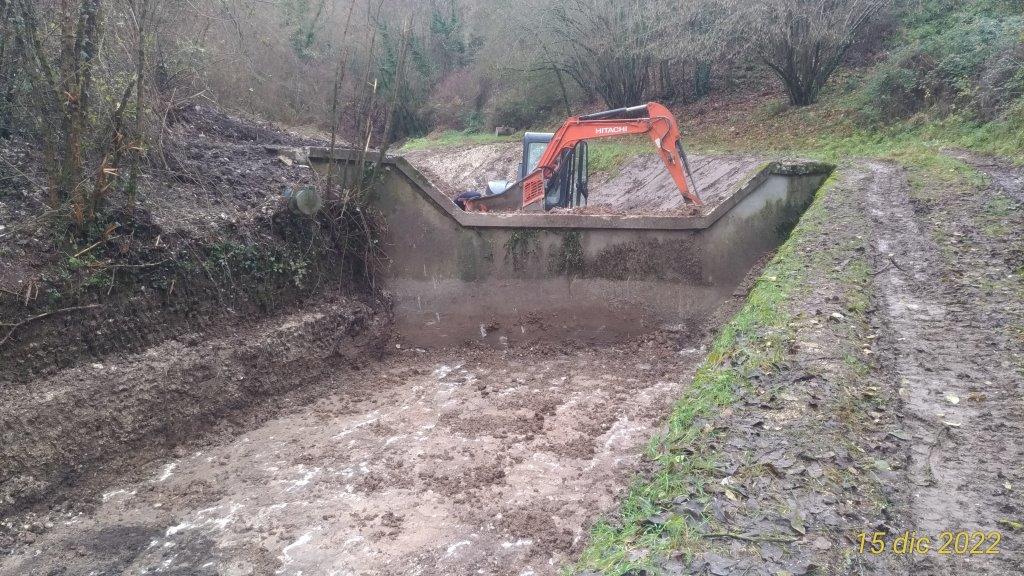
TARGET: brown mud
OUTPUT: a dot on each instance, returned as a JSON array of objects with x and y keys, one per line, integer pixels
[
  {"x": 100, "y": 417},
  {"x": 949, "y": 286},
  {"x": 435, "y": 463}
]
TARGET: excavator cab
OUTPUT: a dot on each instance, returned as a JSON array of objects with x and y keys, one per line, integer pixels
[
  {"x": 534, "y": 145},
  {"x": 568, "y": 186}
]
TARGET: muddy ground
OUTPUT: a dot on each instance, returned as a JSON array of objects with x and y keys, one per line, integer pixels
[
  {"x": 897, "y": 409},
  {"x": 641, "y": 186},
  {"x": 434, "y": 463},
  {"x": 950, "y": 288}
]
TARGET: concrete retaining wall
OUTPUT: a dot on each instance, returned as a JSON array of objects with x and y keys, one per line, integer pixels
[{"x": 460, "y": 276}]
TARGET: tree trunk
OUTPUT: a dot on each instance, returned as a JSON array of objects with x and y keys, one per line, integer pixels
[
  {"x": 142, "y": 14},
  {"x": 87, "y": 48},
  {"x": 565, "y": 95},
  {"x": 701, "y": 79},
  {"x": 10, "y": 61}
]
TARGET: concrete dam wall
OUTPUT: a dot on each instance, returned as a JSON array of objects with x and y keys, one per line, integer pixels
[{"x": 460, "y": 277}]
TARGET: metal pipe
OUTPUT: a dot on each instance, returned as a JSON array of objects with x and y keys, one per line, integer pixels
[{"x": 614, "y": 113}]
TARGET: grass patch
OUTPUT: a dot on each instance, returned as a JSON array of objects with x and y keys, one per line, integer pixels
[
  {"x": 608, "y": 156},
  {"x": 829, "y": 132},
  {"x": 451, "y": 138},
  {"x": 834, "y": 129}
]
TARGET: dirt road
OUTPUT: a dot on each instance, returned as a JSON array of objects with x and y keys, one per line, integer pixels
[
  {"x": 433, "y": 464},
  {"x": 955, "y": 315}
]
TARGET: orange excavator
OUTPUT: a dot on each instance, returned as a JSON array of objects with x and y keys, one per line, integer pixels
[{"x": 554, "y": 165}]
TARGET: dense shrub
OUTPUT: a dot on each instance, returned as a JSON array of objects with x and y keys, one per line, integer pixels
[
  {"x": 531, "y": 102},
  {"x": 457, "y": 101},
  {"x": 966, "y": 60}
]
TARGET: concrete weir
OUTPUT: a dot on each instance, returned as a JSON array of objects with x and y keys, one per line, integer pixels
[{"x": 496, "y": 278}]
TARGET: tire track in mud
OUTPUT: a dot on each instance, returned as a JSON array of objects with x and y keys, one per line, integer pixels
[{"x": 961, "y": 395}]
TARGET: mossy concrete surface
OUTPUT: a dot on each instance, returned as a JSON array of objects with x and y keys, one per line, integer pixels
[{"x": 460, "y": 276}]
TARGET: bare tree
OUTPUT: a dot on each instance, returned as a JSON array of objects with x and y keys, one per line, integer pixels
[
  {"x": 64, "y": 92},
  {"x": 804, "y": 41},
  {"x": 607, "y": 46},
  {"x": 697, "y": 37},
  {"x": 10, "y": 60}
]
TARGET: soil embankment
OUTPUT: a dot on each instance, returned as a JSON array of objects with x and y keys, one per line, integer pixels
[
  {"x": 189, "y": 316},
  {"x": 66, "y": 428}
]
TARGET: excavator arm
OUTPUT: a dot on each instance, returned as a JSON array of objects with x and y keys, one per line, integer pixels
[{"x": 652, "y": 119}]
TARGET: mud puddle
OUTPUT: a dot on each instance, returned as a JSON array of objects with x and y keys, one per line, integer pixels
[{"x": 437, "y": 463}]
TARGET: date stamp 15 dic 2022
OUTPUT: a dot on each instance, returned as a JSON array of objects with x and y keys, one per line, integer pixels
[{"x": 962, "y": 542}]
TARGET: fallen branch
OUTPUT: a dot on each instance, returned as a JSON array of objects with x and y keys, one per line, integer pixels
[
  {"x": 892, "y": 264},
  {"x": 15, "y": 326},
  {"x": 746, "y": 538},
  {"x": 114, "y": 266},
  {"x": 83, "y": 251}
]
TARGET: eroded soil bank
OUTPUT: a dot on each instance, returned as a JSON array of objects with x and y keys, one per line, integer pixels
[{"x": 97, "y": 418}]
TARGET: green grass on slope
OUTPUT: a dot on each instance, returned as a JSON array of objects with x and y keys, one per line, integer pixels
[
  {"x": 608, "y": 156},
  {"x": 753, "y": 341},
  {"x": 830, "y": 131},
  {"x": 451, "y": 138}
]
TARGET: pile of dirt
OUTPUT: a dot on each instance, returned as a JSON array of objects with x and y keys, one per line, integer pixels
[
  {"x": 641, "y": 187},
  {"x": 211, "y": 238},
  {"x": 208, "y": 176},
  {"x": 213, "y": 169},
  {"x": 212, "y": 122},
  {"x": 456, "y": 169}
]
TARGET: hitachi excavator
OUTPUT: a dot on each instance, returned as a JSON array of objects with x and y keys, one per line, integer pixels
[{"x": 554, "y": 165}]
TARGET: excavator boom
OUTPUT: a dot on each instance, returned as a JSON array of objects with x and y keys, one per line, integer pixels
[{"x": 652, "y": 119}]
